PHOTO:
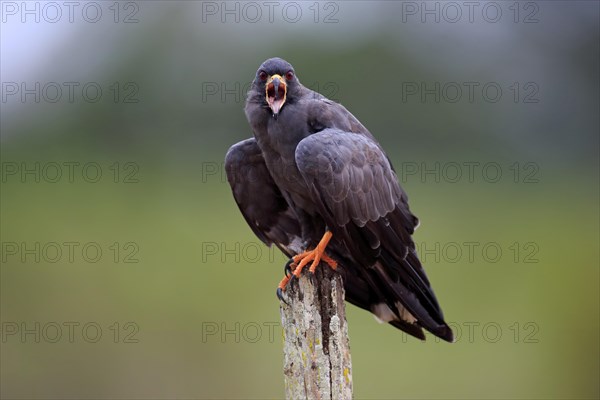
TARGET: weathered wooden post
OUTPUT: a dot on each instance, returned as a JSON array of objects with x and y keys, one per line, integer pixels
[{"x": 316, "y": 349}]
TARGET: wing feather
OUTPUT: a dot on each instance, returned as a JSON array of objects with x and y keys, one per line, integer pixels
[
  {"x": 259, "y": 199},
  {"x": 357, "y": 192}
]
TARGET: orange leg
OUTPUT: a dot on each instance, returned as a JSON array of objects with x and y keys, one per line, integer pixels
[
  {"x": 301, "y": 260},
  {"x": 315, "y": 256},
  {"x": 283, "y": 283}
]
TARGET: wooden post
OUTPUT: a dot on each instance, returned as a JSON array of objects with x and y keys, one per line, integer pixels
[{"x": 316, "y": 348}]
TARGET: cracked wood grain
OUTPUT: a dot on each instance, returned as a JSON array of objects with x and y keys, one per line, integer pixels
[{"x": 317, "y": 362}]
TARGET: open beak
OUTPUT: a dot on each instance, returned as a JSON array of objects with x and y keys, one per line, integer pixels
[{"x": 276, "y": 90}]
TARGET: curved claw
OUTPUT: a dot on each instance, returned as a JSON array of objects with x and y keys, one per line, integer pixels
[
  {"x": 280, "y": 296},
  {"x": 287, "y": 269},
  {"x": 292, "y": 279}
]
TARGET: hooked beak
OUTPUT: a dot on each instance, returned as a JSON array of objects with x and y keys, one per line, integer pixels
[{"x": 275, "y": 92}]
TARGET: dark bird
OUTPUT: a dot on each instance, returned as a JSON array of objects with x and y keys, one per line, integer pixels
[{"x": 316, "y": 183}]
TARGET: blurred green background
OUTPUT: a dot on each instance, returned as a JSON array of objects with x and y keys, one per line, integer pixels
[{"x": 181, "y": 301}]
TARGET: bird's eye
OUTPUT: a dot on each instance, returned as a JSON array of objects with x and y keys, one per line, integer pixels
[
  {"x": 289, "y": 75},
  {"x": 262, "y": 75}
]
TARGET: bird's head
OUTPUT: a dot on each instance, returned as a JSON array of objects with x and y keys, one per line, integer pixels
[{"x": 277, "y": 80}]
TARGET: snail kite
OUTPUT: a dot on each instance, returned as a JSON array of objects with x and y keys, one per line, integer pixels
[{"x": 316, "y": 183}]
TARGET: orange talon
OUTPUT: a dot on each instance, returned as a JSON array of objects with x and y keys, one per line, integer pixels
[
  {"x": 301, "y": 260},
  {"x": 307, "y": 258},
  {"x": 283, "y": 283},
  {"x": 315, "y": 256},
  {"x": 298, "y": 257},
  {"x": 330, "y": 261}
]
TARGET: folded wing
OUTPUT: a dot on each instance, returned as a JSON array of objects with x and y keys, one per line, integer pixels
[
  {"x": 356, "y": 190},
  {"x": 258, "y": 197}
]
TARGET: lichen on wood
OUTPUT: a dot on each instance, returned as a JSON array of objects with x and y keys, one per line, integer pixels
[{"x": 317, "y": 362}]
